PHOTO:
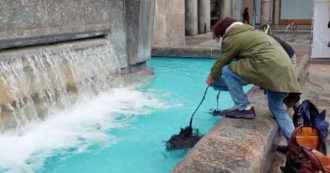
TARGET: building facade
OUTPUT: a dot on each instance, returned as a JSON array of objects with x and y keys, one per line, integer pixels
[{"x": 176, "y": 19}]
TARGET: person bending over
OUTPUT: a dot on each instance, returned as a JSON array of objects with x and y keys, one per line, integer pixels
[{"x": 260, "y": 60}]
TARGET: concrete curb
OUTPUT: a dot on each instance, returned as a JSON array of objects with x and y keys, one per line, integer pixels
[{"x": 186, "y": 52}]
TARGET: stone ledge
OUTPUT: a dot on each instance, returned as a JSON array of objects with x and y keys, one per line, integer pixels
[
  {"x": 186, "y": 52},
  {"x": 53, "y": 48}
]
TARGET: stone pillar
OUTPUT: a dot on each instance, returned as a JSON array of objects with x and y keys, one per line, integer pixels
[
  {"x": 169, "y": 23},
  {"x": 139, "y": 19},
  {"x": 277, "y": 12},
  {"x": 237, "y": 9},
  {"x": 191, "y": 11},
  {"x": 225, "y": 8},
  {"x": 265, "y": 11},
  {"x": 204, "y": 16}
]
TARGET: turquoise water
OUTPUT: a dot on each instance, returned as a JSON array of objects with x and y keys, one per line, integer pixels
[{"x": 137, "y": 144}]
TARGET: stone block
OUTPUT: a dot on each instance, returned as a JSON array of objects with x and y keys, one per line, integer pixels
[
  {"x": 169, "y": 24},
  {"x": 139, "y": 18},
  {"x": 37, "y": 17},
  {"x": 159, "y": 36},
  {"x": 117, "y": 44},
  {"x": 175, "y": 29},
  {"x": 161, "y": 7},
  {"x": 176, "y": 7}
]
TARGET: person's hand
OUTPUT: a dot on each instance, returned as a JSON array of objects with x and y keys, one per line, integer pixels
[{"x": 209, "y": 80}]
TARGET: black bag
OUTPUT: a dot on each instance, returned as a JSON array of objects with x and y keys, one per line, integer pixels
[{"x": 307, "y": 114}]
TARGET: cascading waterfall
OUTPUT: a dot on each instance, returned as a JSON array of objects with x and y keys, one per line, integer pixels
[
  {"x": 64, "y": 103},
  {"x": 33, "y": 86}
]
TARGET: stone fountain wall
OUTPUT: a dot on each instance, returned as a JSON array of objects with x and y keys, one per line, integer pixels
[{"x": 34, "y": 28}]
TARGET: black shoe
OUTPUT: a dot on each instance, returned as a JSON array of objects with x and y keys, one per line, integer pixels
[
  {"x": 282, "y": 149},
  {"x": 247, "y": 114},
  {"x": 222, "y": 112}
]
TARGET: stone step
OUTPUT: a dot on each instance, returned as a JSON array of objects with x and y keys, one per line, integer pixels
[{"x": 186, "y": 52}]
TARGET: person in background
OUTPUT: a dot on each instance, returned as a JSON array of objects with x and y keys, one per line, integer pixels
[
  {"x": 246, "y": 16},
  {"x": 329, "y": 28},
  {"x": 260, "y": 60}
]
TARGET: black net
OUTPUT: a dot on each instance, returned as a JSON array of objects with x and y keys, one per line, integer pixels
[{"x": 187, "y": 138}]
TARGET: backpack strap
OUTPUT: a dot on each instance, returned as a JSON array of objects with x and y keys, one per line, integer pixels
[
  {"x": 297, "y": 115},
  {"x": 305, "y": 112}
]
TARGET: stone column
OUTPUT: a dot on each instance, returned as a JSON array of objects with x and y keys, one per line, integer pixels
[
  {"x": 265, "y": 11},
  {"x": 225, "y": 8},
  {"x": 237, "y": 9},
  {"x": 204, "y": 16},
  {"x": 277, "y": 12},
  {"x": 139, "y": 19},
  {"x": 191, "y": 11}
]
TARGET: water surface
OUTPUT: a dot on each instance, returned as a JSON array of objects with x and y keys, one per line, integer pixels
[{"x": 122, "y": 130}]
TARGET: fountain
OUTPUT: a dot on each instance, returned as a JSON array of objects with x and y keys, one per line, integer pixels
[{"x": 52, "y": 54}]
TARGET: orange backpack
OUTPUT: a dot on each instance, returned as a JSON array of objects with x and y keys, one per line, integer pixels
[{"x": 306, "y": 152}]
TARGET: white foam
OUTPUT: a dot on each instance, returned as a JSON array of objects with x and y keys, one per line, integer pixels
[{"x": 84, "y": 125}]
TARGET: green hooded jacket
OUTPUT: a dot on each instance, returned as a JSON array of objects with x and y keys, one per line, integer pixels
[{"x": 260, "y": 60}]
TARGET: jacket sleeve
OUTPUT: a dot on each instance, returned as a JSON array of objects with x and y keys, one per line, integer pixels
[{"x": 228, "y": 53}]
